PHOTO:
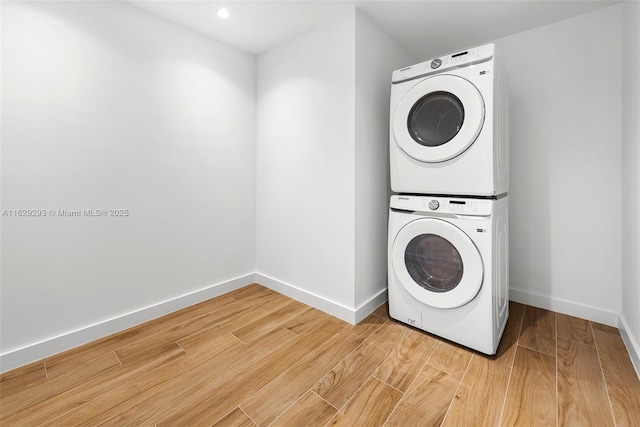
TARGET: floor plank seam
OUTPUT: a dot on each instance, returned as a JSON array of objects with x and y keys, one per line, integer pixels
[
  {"x": 536, "y": 350},
  {"x": 556, "y": 374},
  {"x": 513, "y": 360},
  {"x": 453, "y": 397},
  {"x": 606, "y": 332},
  {"x": 346, "y": 357},
  {"x": 415, "y": 377},
  {"x": 604, "y": 379},
  {"x": 354, "y": 394},
  {"x": 64, "y": 413},
  {"x": 519, "y": 333},
  {"x": 118, "y": 359},
  {"x": 247, "y": 415},
  {"x": 506, "y": 391},
  {"x": 395, "y": 408},
  {"x": 240, "y": 339},
  {"x": 332, "y": 405},
  {"x": 378, "y": 316},
  {"x": 169, "y": 415},
  {"x": 387, "y": 384},
  {"x": 289, "y": 407},
  {"x": 283, "y": 373},
  {"x": 576, "y": 341},
  {"x": 364, "y": 341}
]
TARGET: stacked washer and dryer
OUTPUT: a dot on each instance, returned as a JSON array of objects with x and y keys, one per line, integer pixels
[{"x": 448, "y": 222}]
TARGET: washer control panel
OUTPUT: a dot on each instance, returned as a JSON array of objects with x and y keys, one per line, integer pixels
[
  {"x": 442, "y": 205},
  {"x": 462, "y": 206}
]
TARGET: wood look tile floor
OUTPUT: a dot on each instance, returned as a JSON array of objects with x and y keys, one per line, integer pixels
[{"x": 255, "y": 357}]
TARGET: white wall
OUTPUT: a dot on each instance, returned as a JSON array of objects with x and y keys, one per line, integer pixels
[
  {"x": 377, "y": 55},
  {"x": 631, "y": 179},
  {"x": 565, "y": 181},
  {"x": 322, "y": 192},
  {"x": 106, "y": 106},
  {"x": 305, "y": 158}
]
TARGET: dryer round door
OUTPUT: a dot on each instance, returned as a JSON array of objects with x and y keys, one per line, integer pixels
[
  {"x": 438, "y": 118},
  {"x": 437, "y": 263}
]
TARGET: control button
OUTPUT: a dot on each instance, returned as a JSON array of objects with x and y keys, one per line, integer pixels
[
  {"x": 434, "y": 204},
  {"x": 436, "y": 63}
]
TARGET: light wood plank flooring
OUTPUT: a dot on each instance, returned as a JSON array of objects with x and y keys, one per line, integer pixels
[{"x": 255, "y": 357}]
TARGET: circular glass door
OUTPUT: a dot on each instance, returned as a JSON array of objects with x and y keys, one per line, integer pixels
[
  {"x": 433, "y": 263},
  {"x": 438, "y": 118},
  {"x": 435, "y": 119},
  {"x": 437, "y": 263}
]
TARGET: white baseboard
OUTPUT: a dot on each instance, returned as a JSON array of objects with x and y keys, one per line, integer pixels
[
  {"x": 632, "y": 345},
  {"x": 39, "y": 350},
  {"x": 558, "y": 305},
  {"x": 371, "y": 305},
  {"x": 333, "y": 308}
]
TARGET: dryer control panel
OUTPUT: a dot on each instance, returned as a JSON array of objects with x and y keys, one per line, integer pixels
[
  {"x": 443, "y": 205},
  {"x": 436, "y": 65}
]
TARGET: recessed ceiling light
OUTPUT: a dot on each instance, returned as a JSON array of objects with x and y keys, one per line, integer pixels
[{"x": 222, "y": 13}]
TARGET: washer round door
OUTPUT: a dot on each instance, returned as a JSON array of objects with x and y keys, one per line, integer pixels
[
  {"x": 437, "y": 263},
  {"x": 438, "y": 118}
]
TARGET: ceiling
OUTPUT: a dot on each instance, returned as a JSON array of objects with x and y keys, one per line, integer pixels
[{"x": 418, "y": 26}]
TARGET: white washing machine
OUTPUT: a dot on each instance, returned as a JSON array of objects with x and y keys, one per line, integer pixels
[
  {"x": 449, "y": 126},
  {"x": 448, "y": 267}
]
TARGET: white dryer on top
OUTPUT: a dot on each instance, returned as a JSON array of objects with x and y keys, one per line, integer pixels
[{"x": 449, "y": 126}]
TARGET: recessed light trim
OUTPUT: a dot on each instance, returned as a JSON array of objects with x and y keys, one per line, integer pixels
[{"x": 222, "y": 13}]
